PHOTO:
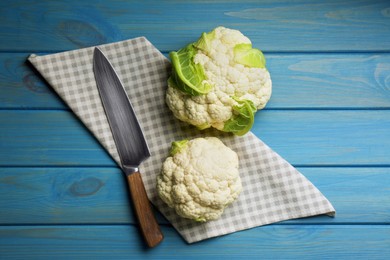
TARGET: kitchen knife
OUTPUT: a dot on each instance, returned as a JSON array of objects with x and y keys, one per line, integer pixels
[{"x": 130, "y": 142}]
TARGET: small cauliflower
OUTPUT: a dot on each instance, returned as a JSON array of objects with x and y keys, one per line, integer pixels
[
  {"x": 219, "y": 81},
  {"x": 200, "y": 178}
]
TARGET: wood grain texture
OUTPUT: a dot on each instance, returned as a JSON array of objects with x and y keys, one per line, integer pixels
[
  {"x": 22, "y": 87},
  {"x": 99, "y": 196},
  {"x": 269, "y": 242},
  {"x": 272, "y": 25},
  {"x": 24, "y": 136},
  {"x": 302, "y": 137},
  {"x": 335, "y": 137},
  {"x": 299, "y": 81},
  {"x": 350, "y": 81},
  {"x": 62, "y": 196},
  {"x": 147, "y": 222}
]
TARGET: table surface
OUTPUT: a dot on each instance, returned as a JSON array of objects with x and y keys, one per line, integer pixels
[{"x": 62, "y": 196}]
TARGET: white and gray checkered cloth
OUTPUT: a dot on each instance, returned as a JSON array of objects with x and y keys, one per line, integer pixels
[{"x": 273, "y": 190}]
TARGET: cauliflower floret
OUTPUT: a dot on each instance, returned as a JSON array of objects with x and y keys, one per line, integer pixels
[
  {"x": 231, "y": 81},
  {"x": 200, "y": 179},
  {"x": 206, "y": 110}
]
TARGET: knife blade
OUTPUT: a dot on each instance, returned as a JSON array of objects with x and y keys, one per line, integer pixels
[{"x": 129, "y": 140}]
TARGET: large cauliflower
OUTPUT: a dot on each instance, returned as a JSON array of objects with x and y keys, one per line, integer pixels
[
  {"x": 219, "y": 81},
  {"x": 200, "y": 178}
]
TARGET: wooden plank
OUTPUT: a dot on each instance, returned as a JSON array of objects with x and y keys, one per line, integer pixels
[
  {"x": 299, "y": 81},
  {"x": 329, "y": 80},
  {"x": 64, "y": 195},
  {"x": 21, "y": 86},
  {"x": 56, "y": 138},
  {"x": 272, "y": 25},
  {"x": 318, "y": 138},
  {"x": 302, "y": 137},
  {"x": 123, "y": 242},
  {"x": 100, "y": 196}
]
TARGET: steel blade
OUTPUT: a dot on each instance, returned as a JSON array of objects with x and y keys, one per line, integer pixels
[{"x": 125, "y": 128}]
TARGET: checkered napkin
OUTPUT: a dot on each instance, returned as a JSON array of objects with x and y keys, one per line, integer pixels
[{"x": 273, "y": 190}]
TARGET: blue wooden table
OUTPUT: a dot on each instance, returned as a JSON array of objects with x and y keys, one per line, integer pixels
[{"x": 62, "y": 196}]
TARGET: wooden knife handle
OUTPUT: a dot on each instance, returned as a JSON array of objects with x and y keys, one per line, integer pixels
[{"x": 149, "y": 226}]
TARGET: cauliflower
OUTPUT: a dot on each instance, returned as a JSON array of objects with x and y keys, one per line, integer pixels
[
  {"x": 200, "y": 178},
  {"x": 219, "y": 81}
]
